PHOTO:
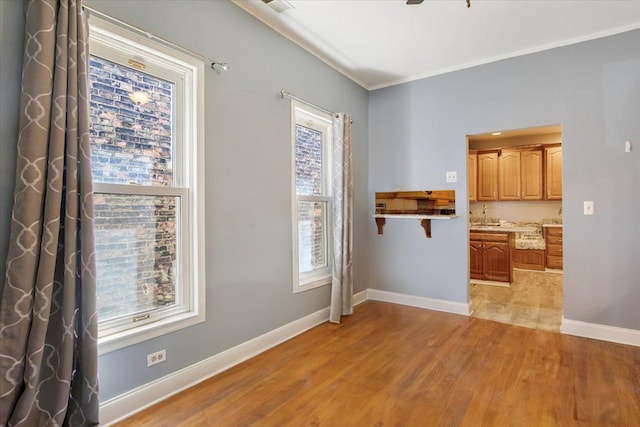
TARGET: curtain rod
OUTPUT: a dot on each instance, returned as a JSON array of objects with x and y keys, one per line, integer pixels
[
  {"x": 216, "y": 65},
  {"x": 285, "y": 94}
]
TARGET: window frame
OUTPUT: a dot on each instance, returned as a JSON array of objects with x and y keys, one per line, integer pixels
[
  {"x": 309, "y": 117},
  {"x": 117, "y": 44}
]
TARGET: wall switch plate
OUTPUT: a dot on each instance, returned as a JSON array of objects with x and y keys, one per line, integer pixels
[
  {"x": 588, "y": 208},
  {"x": 157, "y": 357},
  {"x": 452, "y": 176},
  {"x": 627, "y": 146}
]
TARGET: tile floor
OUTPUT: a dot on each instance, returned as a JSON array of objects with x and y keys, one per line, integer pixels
[{"x": 533, "y": 300}]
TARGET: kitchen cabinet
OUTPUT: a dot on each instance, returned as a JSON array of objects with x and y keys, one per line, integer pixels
[
  {"x": 487, "y": 175},
  {"x": 472, "y": 173},
  {"x": 553, "y": 243},
  {"x": 489, "y": 256},
  {"x": 553, "y": 172},
  {"x": 528, "y": 259},
  {"x": 520, "y": 175}
]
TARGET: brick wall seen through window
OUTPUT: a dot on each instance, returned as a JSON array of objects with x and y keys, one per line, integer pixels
[{"x": 135, "y": 234}]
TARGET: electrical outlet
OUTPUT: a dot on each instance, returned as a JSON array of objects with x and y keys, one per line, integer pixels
[
  {"x": 452, "y": 176},
  {"x": 588, "y": 208},
  {"x": 157, "y": 357}
]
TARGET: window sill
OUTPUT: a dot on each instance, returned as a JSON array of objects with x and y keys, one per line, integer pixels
[
  {"x": 312, "y": 283},
  {"x": 145, "y": 332}
]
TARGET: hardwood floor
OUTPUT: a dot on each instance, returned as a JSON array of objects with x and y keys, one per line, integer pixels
[{"x": 392, "y": 365}]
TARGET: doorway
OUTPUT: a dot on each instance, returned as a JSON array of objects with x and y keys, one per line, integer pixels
[{"x": 515, "y": 226}]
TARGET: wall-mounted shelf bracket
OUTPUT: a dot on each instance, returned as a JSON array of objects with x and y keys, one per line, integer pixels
[
  {"x": 426, "y": 224},
  {"x": 425, "y": 220}
]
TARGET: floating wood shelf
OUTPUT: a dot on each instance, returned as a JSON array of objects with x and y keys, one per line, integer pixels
[{"x": 425, "y": 220}]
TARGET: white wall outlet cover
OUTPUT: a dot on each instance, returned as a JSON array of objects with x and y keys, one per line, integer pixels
[
  {"x": 627, "y": 146},
  {"x": 157, "y": 357},
  {"x": 588, "y": 208},
  {"x": 452, "y": 176}
]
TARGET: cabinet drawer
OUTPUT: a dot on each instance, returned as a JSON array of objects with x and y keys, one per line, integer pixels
[
  {"x": 489, "y": 237},
  {"x": 557, "y": 240},
  {"x": 554, "y": 262},
  {"x": 554, "y": 250},
  {"x": 554, "y": 231}
]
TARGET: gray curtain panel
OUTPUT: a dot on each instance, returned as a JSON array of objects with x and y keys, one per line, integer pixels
[
  {"x": 48, "y": 320},
  {"x": 342, "y": 279}
]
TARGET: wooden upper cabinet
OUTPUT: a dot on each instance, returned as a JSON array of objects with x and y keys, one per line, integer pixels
[
  {"x": 531, "y": 175},
  {"x": 472, "y": 171},
  {"x": 553, "y": 163},
  {"x": 509, "y": 175},
  {"x": 520, "y": 175},
  {"x": 488, "y": 176}
]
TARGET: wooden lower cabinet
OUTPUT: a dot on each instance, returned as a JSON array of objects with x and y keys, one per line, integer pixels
[
  {"x": 489, "y": 256},
  {"x": 528, "y": 259},
  {"x": 553, "y": 242}
]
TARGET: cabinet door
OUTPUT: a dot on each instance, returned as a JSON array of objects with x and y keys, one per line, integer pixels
[
  {"x": 475, "y": 257},
  {"x": 472, "y": 171},
  {"x": 495, "y": 259},
  {"x": 509, "y": 175},
  {"x": 488, "y": 176},
  {"x": 553, "y": 161},
  {"x": 531, "y": 175}
]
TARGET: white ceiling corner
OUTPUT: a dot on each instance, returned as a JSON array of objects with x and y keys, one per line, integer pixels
[{"x": 379, "y": 43}]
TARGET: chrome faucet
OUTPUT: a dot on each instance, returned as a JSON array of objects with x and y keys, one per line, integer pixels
[{"x": 484, "y": 214}]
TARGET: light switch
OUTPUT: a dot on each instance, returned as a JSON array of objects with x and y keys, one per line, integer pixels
[
  {"x": 627, "y": 146},
  {"x": 452, "y": 176},
  {"x": 588, "y": 208}
]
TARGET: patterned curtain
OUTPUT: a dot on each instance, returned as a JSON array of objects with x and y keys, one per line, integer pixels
[
  {"x": 48, "y": 324},
  {"x": 342, "y": 280}
]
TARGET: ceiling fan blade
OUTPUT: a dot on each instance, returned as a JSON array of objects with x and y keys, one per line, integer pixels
[{"x": 414, "y": 1}]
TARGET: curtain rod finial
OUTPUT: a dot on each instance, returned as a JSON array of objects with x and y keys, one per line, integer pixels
[{"x": 220, "y": 66}]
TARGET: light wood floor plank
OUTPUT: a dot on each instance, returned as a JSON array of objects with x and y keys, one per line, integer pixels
[{"x": 390, "y": 365}]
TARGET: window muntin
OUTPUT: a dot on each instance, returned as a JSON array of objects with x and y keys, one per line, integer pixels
[
  {"x": 146, "y": 129},
  {"x": 312, "y": 193}
]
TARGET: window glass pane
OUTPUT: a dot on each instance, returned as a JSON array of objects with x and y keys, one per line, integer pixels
[
  {"x": 135, "y": 253},
  {"x": 131, "y": 125},
  {"x": 308, "y": 154},
  {"x": 312, "y": 245}
]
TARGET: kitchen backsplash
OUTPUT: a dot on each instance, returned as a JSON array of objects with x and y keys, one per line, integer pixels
[{"x": 519, "y": 211}]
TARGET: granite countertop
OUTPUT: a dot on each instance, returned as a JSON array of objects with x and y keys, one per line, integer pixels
[
  {"x": 528, "y": 235},
  {"x": 552, "y": 222},
  {"x": 503, "y": 228},
  {"x": 552, "y": 225}
]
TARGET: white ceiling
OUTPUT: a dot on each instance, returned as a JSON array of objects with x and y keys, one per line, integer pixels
[{"x": 379, "y": 43}]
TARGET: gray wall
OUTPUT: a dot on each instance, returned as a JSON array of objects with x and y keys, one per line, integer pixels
[
  {"x": 417, "y": 133},
  {"x": 248, "y": 196}
]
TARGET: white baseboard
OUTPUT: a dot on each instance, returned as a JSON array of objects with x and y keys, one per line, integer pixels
[
  {"x": 420, "y": 302},
  {"x": 127, "y": 404},
  {"x": 360, "y": 297},
  {"x": 600, "y": 332}
]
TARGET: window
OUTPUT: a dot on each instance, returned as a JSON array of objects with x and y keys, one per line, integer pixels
[
  {"x": 146, "y": 151},
  {"x": 312, "y": 224}
]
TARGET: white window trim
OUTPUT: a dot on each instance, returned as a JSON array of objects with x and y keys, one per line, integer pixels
[
  {"x": 190, "y": 190},
  {"x": 320, "y": 121}
]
